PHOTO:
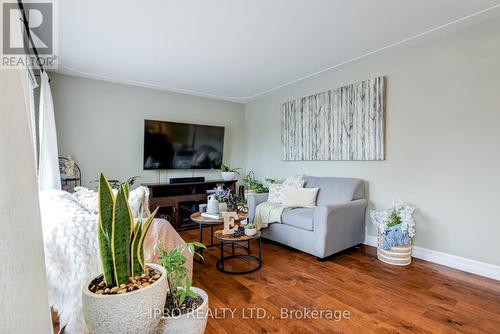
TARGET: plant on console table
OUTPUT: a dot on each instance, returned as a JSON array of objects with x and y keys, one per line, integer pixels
[
  {"x": 121, "y": 299},
  {"x": 396, "y": 231},
  {"x": 229, "y": 173},
  {"x": 186, "y": 307}
]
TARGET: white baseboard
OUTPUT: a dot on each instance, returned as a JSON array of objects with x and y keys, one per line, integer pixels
[{"x": 457, "y": 262}]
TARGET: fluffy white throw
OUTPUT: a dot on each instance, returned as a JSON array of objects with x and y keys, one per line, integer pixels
[{"x": 71, "y": 254}]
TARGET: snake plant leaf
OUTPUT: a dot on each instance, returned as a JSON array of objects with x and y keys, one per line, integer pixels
[
  {"x": 140, "y": 247},
  {"x": 105, "y": 221},
  {"x": 135, "y": 266},
  {"x": 120, "y": 237},
  {"x": 126, "y": 189}
]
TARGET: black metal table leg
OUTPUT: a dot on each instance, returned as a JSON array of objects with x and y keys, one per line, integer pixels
[
  {"x": 222, "y": 255},
  {"x": 257, "y": 259},
  {"x": 211, "y": 235},
  {"x": 200, "y": 260}
]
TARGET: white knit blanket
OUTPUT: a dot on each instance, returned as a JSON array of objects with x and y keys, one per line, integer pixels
[{"x": 71, "y": 254}]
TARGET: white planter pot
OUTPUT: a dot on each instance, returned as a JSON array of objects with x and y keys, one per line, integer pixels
[
  {"x": 222, "y": 207},
  {"x": 228, "y": 176},
  {"x": 250, "y": 231},
  {"x": 189, "y": 323},
  {"x": 130, "y": 312}
]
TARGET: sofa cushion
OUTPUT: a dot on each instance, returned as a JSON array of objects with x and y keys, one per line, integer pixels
[
  {"x": 334, "y": 190},
  {"x": 301, "y": 218}
]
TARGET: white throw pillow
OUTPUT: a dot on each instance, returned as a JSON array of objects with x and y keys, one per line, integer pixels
[
  {"x": 297, "y": 181},
  {"x": 276, "y": 193},
  {"x": 300, "y": 197}
]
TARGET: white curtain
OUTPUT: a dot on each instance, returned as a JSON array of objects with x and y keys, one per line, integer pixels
[
  {"x": 48, "y": 165},
  {"x": 30, "y": 107}
]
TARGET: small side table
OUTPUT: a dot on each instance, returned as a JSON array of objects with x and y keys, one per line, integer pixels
[
  {"x": 204, "y": 221},
  {"x": 229, "y": 239}
]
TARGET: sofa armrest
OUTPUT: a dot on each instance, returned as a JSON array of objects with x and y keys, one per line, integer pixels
[
  {"x": 339, "y": 226},
  {"x": 253, "y": 200}
]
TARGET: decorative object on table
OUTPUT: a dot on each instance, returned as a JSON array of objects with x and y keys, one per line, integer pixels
[
  {"x": 202, "y": 208},
  {"x": 211, "y": 215},
  {"x": 203, "y": 221},
  {"x": 395, "y": 230},
  {"x": 230, "y": 219},
  {"x": 228, "y": 173},
  {"x": 346, "y": 123},
  {"x": 235, "y": 241},
  {"x": 70, "y": 172},
  {"x": 186, "y": 307},
  {"x": 250, "y": 230},
  {"x": 212, "y": 204},
  {"x": 127, "y": 282},
  {"x": 228, "y": 201}
]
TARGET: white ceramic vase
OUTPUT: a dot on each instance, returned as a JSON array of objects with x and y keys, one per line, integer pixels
[
  {"x": 130, "y": 312},
  {"x": 189, "y": 323},
  {"x": 250, "y": 231},
  {"x": 228, "y": 176}
]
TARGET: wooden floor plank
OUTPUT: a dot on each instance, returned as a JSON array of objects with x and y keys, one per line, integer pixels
[{"x": 421, "y": 298}]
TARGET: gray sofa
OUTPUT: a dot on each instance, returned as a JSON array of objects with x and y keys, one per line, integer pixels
[{"x": 337, "y": 223}]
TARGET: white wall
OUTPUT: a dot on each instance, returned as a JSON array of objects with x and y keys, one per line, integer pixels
[
  {"x": 102, "y": 125},
  {"x": 442, "y": 143},
  {"x": 24, "y": 307}
]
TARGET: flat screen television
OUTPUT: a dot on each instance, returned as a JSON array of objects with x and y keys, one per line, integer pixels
[{"x": 171, "y": 145}]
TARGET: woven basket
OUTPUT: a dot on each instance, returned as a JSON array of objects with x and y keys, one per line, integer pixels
[{"x": 396, "y": 256}]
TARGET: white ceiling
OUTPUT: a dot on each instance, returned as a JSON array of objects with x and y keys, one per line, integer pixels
[{"x": 240, "y": 49}]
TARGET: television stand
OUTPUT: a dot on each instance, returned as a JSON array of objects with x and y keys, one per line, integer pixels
[{"x": 177, "y": 201}]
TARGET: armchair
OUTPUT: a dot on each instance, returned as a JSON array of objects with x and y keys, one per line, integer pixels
[{"x": 337, "y": 223}]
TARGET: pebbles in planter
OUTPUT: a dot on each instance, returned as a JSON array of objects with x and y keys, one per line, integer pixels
[{"x": 98, "y": 286}]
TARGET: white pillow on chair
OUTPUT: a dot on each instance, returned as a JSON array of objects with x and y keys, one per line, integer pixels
[
  {"x": 276, "y": 194},
  {"x": 300, "y": 197}
]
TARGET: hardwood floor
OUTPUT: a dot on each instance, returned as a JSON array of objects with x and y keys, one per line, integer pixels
[{"x": 421, "y": 298}]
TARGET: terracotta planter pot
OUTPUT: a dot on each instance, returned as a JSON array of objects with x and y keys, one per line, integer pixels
[
  {"x": 130, "y": 312},
  {"x": 193, "y": 322}
]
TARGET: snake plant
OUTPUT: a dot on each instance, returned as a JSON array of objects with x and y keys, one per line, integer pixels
[{"x": 121, "y": 241}]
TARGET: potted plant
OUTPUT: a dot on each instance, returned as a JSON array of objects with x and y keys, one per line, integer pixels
[
  {"x": 122, "y": 298},
  {"x": 186, "y": 307},
  {"x": 250, "y": 230},
  {"x": 396, "y": 230},
  {"x": 252, "y": 185},
  {"x": 228, "y": 173}
]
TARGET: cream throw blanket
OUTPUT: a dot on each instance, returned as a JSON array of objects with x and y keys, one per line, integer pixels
[{"x": 267, "y": 212}]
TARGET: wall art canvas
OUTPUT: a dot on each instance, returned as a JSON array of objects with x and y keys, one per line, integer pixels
[{"x": 346, "y": 123}]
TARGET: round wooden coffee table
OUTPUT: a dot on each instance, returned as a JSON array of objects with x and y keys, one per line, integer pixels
[
  {"x": 204, "y": 221},
  {"x": 230, "y": 239}
]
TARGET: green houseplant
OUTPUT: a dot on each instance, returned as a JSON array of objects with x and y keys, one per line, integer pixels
[
  {"x": 127, "y": 281},
  {"x": 254, "y": 185},
  {"x": 228, "y": 173},
  {"x": 250, "y": 230},
  {"x": 186, "y": 307}
]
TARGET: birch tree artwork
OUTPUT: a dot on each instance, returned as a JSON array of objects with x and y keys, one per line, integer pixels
[{"x": 346, "y": 123}]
